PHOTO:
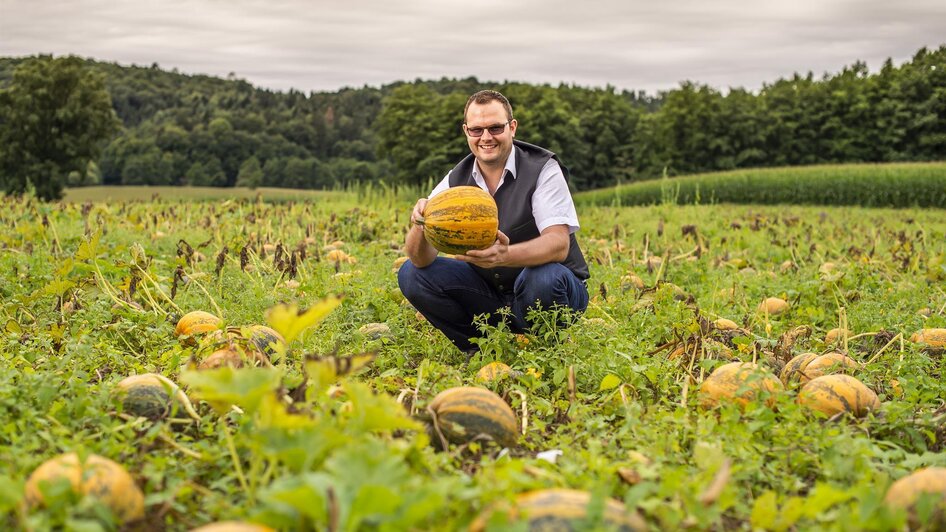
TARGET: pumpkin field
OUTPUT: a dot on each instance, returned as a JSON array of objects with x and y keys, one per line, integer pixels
[{"x": 738, "y": 368}]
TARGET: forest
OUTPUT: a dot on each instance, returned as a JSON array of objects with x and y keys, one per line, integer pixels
[{"x": 179, "y": 129}]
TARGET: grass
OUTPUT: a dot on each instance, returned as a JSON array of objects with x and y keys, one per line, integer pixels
[
  {"x": 146, "y": 193},
  {"x": 877, "y": 185},
  {"x": 91, "y": 295}
]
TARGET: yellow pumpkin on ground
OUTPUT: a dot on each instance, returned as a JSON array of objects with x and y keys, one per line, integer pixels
[
  {"x": 827, "y": 364},
  {"x": 929, "y": 481},
  {"x": 494, "y": 371},
  {"x": 836, "y": 334},
  {"x": 808, "y": 366},
  {"x": 724, "y": 324},
  {"x": 795, "y": 366},
  {"x": 233, "y": 526},
  {"x": 738, "y": 382},
  {"x": 834, "y": 394},
  {"x": 465, "y": 412},
  {"x": 398, "y": 262},
  {"x": 773, "y": 306},
  {"x": 194, "y": 324},
  {"x": 96, "y": 476},
  {"x": 563, "y": 509},
  {"x": 460, "y": 219},
  {"x": 934, "y": 339},
  {"x": 232, "y": 357}
]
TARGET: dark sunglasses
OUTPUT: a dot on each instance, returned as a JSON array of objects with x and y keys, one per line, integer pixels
[{"x": 493, "y": 130}]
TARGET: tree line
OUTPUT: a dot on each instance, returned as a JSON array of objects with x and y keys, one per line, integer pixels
[{"x": 166, "y": 128}]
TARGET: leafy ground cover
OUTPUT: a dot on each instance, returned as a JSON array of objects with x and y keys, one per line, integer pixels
[{"x": 91, "y": 294}]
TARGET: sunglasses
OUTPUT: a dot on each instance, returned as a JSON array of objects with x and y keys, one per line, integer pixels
[{"x": 493, "y": 130}]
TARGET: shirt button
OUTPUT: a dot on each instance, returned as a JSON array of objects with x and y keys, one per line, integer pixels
[
  {"x": 496, "y": 276},
  {"x": 501, "y": 288}
]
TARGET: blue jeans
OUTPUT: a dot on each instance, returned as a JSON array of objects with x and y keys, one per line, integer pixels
[{"x": 449, "y": 293}]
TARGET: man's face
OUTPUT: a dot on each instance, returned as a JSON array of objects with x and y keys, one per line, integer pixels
[{"x": 489, "y": 149}]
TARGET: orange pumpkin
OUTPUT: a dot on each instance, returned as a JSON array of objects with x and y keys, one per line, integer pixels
[
  {"x": 834, "y": 394},
  {"x": 738, "y": 382},
  {"x": 563, "y": 509},
  {"x": 194, "y": 324},
  {"x": 96, "y": 476}
]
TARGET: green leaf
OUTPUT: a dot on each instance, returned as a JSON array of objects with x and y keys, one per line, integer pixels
[
  {"x": 226, "y": 386},
  {"x": 89, "y": 248},
  {"x": 289, "y": 321},
  {"x": 824, "y": 496},
  {"x": 764, "y": 511},
  {"x": 375, "y": 412},
  {"x": 609, "y": 382},
  {"x": 11, "y": 493},
  {"x": 58, "y": 287}
]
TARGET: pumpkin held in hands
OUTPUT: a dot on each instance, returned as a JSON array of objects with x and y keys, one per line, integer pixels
[{"x": 460, "y": 219}]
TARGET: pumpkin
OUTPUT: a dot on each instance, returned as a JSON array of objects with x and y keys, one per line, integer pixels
[
  {"x": 266, "y": 339},
  {"x": 145, "y": 396},
  {"x": 233, "y": 526},
  {"x": 563, "y": 509},
  {"x": 337, "y": 255},
  {"x": 96, "y": 476},
  {"x": 836, "y": 334},
  {"x": 809, "y": 366},
  {"x": 725, "y": 325},
  {"x": 465, "y": 412},
  {"x": 826, "y": 364},
  {"x": 231, "y": 357},
  {"x": 149, "y": 395},
  {"x": 398, "y": 262},
  {"x": 631, "y": 280},
  {"x": 738, "y": 382},
  {"x": 195, "y": 323},
  {"x": 795, "y": 366},
  {"x": 928, "y": 481},
  {"x": 376, "y": 331},
  {"x": 494, "y": 371},
  {"x": 934, "y": 339},
  {"x": 833, "y": 394},
  {"x": 460, "y": 219},
  {"x": 773, "y": 306}
]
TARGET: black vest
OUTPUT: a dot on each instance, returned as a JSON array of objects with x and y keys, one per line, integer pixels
[{"x": 514, "y": 200}]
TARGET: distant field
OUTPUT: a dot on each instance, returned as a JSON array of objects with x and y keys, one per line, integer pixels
[
  {"x": 143, "y": 193},
  {"x": 869, "y": 185}
]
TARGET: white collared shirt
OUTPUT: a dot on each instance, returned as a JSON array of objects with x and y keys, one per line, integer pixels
[{"x": 551, "y": 202}]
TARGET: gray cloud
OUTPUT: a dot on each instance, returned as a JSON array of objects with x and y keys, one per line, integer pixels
[{"x": 321, "y": 45}]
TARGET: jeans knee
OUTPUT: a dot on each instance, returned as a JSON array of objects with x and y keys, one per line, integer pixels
[
  {"x": 407, "y": 279},
  {"x": 544, "y": 278}
]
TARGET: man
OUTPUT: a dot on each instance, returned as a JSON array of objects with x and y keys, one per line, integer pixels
[{"x": 535, "y": 259}]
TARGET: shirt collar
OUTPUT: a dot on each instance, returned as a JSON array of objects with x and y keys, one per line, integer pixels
[{"x": 510, "y": 166}]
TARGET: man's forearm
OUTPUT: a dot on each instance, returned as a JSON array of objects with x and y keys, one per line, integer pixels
[
  {"x": 543, "y": 249},
  {"x": 417, "y": 248}
]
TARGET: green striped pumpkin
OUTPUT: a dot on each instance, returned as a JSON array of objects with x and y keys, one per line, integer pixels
[
  {"x": 465, "y": 412},
  {"x": 460, "y": 219}
]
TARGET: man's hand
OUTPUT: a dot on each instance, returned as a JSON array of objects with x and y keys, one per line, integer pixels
[
  {"x": 416, "y": 247},
  {"x": 418, "y": 211},
  {"x": 491, "y": 257}
]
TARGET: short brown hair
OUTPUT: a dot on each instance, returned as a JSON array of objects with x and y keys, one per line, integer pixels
[{"x": 486, "y": 96}]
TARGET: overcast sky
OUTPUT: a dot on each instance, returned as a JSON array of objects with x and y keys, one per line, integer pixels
[{"x": 629, "y": 44}]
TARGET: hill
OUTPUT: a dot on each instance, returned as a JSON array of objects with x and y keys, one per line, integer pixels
[{"x": 201, "y": 130}]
